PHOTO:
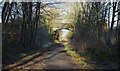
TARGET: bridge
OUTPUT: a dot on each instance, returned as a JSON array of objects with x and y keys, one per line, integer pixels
[
  {"x": 61, "y": 26},
  {"x": 54, "y": 29}
]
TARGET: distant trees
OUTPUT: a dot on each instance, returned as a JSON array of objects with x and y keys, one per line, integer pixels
[
  {"x": 94, "y": 24},
  {"x": 95, "y": 35},
  {"x": 29, "y": 20}
]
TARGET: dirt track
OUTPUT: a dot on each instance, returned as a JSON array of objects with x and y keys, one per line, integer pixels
[{"x": 54, "y": 59}]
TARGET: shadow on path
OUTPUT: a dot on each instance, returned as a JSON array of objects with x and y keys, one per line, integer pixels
[{"x": 56, "y": 50}]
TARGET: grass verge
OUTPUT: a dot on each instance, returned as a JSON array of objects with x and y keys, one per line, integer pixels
[{"x": 78, "y": 61}]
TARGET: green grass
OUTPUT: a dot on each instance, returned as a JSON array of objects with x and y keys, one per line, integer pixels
[
  {"x": 74, "y": 55},
  {"x": 84, "y": 65}
]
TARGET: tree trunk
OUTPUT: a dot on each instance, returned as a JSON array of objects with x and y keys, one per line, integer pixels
[{"x": 113, "y": 15}]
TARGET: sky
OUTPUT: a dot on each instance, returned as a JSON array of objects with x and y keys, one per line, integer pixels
[
  {"x": 64, "y": 32},
  {"x": 0, "y": 11},
  {"x": 0, "y": 14}
]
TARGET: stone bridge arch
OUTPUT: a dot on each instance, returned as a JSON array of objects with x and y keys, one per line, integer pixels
[{"x": 62, "y": 32}]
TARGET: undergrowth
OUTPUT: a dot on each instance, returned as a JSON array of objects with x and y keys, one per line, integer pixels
[{"x": 99, "y": 55}]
